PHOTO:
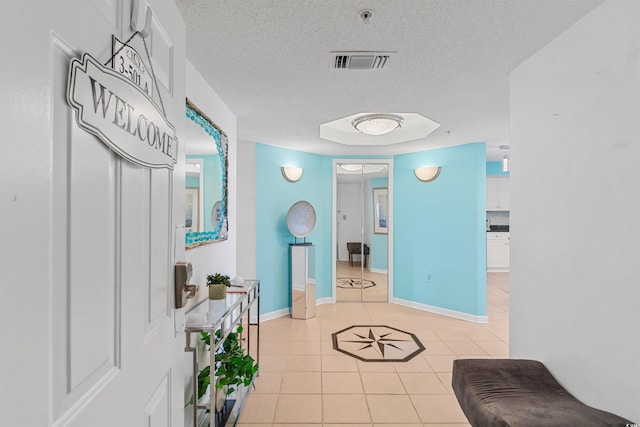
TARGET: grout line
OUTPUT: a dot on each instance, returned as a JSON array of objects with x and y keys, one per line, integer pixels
[{"x": 362, "y": 313}]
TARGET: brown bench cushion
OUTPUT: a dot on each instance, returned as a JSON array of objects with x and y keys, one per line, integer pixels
[{"x": 523, "y": 393}]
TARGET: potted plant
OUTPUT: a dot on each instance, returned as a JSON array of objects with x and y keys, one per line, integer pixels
[
  {"x": 232, "y": 367},
  {"x": 218, "y": 284}
]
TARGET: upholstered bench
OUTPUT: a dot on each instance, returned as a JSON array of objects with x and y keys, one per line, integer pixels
[{"x": 523, "y": 393}]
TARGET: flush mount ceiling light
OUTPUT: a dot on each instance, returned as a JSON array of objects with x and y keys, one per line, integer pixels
[
  {"x": 377, "y": 124},
  {"x": 414, "y": 126},
  {"x": 427, "y": 174},
  {"x": 291, "y": 173}
]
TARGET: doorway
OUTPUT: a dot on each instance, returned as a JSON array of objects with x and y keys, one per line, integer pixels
[{"x": 362, "y": 230}]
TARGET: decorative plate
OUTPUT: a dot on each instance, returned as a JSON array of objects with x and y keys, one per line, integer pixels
[{"x": 301, "y": 218}]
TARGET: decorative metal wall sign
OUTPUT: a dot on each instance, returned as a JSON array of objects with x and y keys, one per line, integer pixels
[{"x": 110, "y": 106}]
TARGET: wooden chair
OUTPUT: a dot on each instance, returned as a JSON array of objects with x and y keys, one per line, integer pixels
[{"x": 354, "y": 248}]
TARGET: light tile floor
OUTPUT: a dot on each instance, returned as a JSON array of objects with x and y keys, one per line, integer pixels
[
  {"x": 304, "y": 382},
  {"x": 377, "y": 293}
]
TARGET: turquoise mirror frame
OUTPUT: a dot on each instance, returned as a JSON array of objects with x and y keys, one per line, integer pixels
[{"x": 221, "y": 230}]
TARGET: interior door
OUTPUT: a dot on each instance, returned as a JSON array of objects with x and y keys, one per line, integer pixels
[
  {"x": 361, "y": 249},
  {"x": 98, "y": 250},
  {"x": 376, "y": 228},
  {"x": 349, "y": 231}
]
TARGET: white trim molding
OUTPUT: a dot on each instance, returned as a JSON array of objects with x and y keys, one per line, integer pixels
[
  {"x": 442, "y": 311},
  {"x": 287, "y": 311},
  {"x": 275, "y": 314}
]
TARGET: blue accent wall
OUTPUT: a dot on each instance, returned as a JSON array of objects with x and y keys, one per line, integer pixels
[
  {"x": 439, "y": 227},
  {"x": 274, "y": 197},
  {"x": 439, "y": 236},
  {"x": 192, "y": 182},
  {"x": 495, "y": 169}
]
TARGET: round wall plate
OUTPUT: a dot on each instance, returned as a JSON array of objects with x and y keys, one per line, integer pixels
[{"x": 301, "y": 219}]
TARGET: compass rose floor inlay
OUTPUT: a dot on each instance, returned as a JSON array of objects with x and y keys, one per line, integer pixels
[
  {"x": 377, "y": 343},
  {"x": 354, "y": 283}
]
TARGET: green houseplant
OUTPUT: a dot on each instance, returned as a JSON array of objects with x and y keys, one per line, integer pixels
[
  {"x": 232, "y": 367},
  {"x": 218, "y": 284}
]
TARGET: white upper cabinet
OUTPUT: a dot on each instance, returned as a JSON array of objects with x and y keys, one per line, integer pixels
[{"x": 497, "y": 194}]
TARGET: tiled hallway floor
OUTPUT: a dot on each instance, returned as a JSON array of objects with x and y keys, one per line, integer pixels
[{"x": 304, "y": 381}]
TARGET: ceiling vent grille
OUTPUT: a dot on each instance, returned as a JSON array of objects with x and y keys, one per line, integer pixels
[{"x": 360, "y": 60}]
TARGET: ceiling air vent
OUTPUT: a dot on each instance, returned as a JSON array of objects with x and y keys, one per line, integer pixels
[{"x": 360, "y": 60}]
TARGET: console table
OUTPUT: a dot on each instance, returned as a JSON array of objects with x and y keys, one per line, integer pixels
[{"x": 226, "y": 316}]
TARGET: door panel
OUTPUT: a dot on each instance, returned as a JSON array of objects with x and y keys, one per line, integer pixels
[
  {"x": 361, "y": 281},
  {"x": 156, "y": 410},
  {"x": 159, "y": 214},
  {"x": 98, "y": 252},
  {"x": 162, "y": 55},
  {"x": 83, "y": 255}
]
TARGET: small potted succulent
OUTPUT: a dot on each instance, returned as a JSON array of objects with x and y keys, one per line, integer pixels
[{"x": 218, "y": 284}]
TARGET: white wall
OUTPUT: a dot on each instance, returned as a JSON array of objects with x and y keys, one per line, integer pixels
[
  {"x": 246, "y": 258},
  {"x": 575, "y": 208},
  {"x": 350, "y": 217},
  {"x": 216, "y": 257}
]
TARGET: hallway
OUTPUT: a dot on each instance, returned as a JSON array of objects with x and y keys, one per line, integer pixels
[{"x": 304, "y": 381}]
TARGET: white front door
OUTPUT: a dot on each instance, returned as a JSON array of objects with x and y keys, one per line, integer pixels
[{"x": 87, "y": 237}]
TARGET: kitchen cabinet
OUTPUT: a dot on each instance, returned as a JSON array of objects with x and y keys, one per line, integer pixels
[
  {"x": 497, "y": 194},
  {"x": 498, "y": 245}
]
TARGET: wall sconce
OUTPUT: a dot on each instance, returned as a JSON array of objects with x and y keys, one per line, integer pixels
[
  {"x": 506, "y": 163},
  {"x": 291, "y": 173},
  {"x": 427, "y": 174}
]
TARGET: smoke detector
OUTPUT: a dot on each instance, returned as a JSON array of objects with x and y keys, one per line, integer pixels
[{"x": 365, "y": 15}]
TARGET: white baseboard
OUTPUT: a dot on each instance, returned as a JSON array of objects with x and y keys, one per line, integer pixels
[
  {"x": 378, "y": 270},
  {"x": 275, "y": 314},
  {"x": 287, "y": 311},
  {"x": 411, "y": 304},
  {"x": 325, "y": 300},
  {"x": 442, "y": 311},
  {"x": 497, "y": 270}
]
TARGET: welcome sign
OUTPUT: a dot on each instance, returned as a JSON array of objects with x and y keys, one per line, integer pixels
[{"x": 120, "y": 114}]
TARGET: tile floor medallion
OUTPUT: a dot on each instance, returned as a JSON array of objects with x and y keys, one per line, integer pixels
[
  {"x": 354, "y": 283},
  {"x": 377, "y": 343}
]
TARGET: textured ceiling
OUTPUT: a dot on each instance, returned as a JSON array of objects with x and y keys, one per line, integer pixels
[{"x": 269, "y": 61}]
